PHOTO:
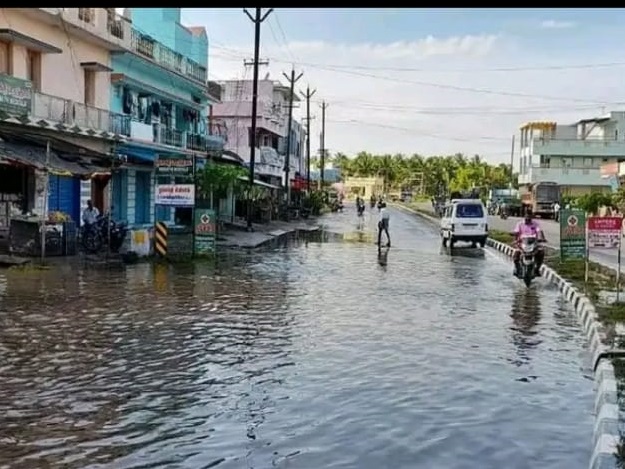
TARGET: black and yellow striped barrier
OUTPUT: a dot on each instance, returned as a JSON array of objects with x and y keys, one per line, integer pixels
[{"x": 160, "y": 238}]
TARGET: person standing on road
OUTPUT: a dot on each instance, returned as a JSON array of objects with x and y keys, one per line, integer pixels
[
  {"x": 383, "y": 224},
  {"x": 556, "y": 211}
]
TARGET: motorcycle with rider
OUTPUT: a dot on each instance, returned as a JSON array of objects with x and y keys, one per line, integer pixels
[{"x": 529, "y": 253}]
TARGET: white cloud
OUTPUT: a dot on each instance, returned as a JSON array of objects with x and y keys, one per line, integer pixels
[
  {"x": 554, "y": 24},
  {"x": 453, "y": 98}
]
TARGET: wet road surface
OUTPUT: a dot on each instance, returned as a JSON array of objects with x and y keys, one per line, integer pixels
[{"x": 317, "y": 355}]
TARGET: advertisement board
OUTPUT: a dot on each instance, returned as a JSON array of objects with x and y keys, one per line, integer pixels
[
  {"x": 205, "y": 233},
  {"x": 604, "y": 232},
  {"x": 175, "y": 195},
  {"x": 572, "y": 234}
]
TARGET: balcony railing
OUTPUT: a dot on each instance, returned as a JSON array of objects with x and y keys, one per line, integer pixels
[
  {"x": 151, "y": 49},
  {"x": 73, "y": 113}
]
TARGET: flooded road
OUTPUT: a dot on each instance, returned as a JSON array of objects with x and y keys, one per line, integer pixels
[{"x": 316, "y": 355}]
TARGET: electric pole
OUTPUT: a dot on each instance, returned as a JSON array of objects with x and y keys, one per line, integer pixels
[
  {"x": 257, "y": 21},
  {"x": 309, "y": 94},
  {"x": 287, "y": 161},
  {"x": 324, "y": 106}
]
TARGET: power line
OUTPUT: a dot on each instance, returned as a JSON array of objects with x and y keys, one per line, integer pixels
[
  {"x": 418, "y": 131},
  {"x": 456, "y": 87},
  {"x": 533, "y": 68}
]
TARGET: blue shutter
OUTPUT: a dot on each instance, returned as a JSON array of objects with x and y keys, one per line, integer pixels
[
  {"x": 142, "y": 197},
  {"x": 64, "y": 195},
  {"x": 119, "y": 195}
]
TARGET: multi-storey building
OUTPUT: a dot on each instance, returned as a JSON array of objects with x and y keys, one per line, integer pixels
[
  {"x": 571, "y": 155},
  {"x": 110, "y": 95},
  {"x": 54, "y": 93},
  {"x": 234, "y": 113},
  {"x": 159, "y": 82}
]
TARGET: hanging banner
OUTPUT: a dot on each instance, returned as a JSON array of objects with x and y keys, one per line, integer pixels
[
  {"x": 175, "y": 195},
  {"x": 604, "y": 232},
  {"x": 572, "y": 234}
]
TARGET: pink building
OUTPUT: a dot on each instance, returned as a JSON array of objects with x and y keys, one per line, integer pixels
[{"x": 234, "y": 115}]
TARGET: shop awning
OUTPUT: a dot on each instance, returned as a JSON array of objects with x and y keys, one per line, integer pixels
[
  {"x": 61, "y": 163},
  {"x": 260, "y": 183}
]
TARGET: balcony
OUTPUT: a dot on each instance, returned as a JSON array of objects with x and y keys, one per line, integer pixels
[
  {"x": 214, "y": 91},
  {"x": 575, "y": 147},
  {"x": 162, "y": 55},
  {"x": 175, "y": 138},
  {"x": 72, "y": 114},
  {"x": 102, "y": 26},
  {"x": 572, "y": 176}
]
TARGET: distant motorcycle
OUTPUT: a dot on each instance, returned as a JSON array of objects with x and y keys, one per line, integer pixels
[
  {"x": 527, "y": 269},
  {"x": 503, "y": 213},
  {"x": 95, "y": 236}
]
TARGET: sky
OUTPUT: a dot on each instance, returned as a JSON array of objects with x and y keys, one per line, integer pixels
[{"x": 430, "y": 81}]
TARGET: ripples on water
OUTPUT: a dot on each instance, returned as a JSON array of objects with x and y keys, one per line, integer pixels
[{"x": 321, "y": 355}]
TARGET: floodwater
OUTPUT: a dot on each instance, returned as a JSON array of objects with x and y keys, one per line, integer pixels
[{"x": 314, "y": 355}]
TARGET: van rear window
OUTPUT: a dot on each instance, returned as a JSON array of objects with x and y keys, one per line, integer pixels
[{"x": 469, "y": 211}]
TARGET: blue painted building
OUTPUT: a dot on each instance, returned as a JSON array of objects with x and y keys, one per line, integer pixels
[{"x": 160, "y": 82}]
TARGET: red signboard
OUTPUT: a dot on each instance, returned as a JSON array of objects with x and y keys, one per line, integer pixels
[
  {"x": 604, "y": 232},
  {"x": 298, "y": 184}
]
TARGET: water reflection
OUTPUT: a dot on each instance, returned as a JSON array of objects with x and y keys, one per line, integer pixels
[
  {"x": 285, "y": 359},
  {"x": 525, "y": 316},
  {"x": 383, "y": 257}
]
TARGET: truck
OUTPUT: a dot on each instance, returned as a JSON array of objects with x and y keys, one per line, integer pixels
[
  {"x": 540, "y": 198},
  {"x": 508, "y": 196}
]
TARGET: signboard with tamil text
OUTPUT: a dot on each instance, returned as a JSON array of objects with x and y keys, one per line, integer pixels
[
  {"x": 175, "y": 195},
  {"x": 572, "y": 234},
  {"x": 15, "y": 95},
  {"x": 604, "y": 232},
  {"x": 204, "y": 231},
  {"x": 174, "y": 165}
]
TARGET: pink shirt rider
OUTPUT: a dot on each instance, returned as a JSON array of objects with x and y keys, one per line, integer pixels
[{"x": 525, "y": 229}]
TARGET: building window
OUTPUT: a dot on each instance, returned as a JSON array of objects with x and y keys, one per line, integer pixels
[
  {"x": 86, "y": 14},
  {"x": 588, "y": 162},
  {"x": 89, "y": 77},
  {"x": 5, "y": 62},
  {"x": 33, "y": 69}
]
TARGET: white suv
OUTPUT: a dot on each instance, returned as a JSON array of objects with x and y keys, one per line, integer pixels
[{"x": 464, "y": 220}]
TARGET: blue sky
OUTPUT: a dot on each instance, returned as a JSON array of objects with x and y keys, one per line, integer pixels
[{"x": 437, "y": 108}]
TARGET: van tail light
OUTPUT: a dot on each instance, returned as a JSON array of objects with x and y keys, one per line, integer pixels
[
  {"x": 452, "y": 227},
  {"x": 486, "y": 227}
]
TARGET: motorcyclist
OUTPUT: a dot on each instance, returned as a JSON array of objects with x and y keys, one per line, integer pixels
[{"x": 528, "y": 227}]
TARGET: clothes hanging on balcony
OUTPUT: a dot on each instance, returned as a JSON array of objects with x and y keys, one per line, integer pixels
[
  {"x": 126, "y": 101},
  {"x": 156, "y": 109}
]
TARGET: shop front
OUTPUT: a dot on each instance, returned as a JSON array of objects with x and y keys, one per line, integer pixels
[{"x": 40, "y": 185}]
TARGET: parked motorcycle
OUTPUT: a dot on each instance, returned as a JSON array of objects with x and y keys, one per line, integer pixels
[
  {"x": 503, "y": 213},
  {"x": 95, "y": 236},
  {"x": 528, "y": 246}
]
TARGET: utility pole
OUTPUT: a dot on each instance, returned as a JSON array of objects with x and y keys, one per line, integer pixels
[
  {"x": 257, "y": 20},
  {"x": 287, "y": 161},
  {"x": 324, "y": 106},
  {"x": 512, "y": 164},
  {"x": 309, "y": 94},
  {"x": 44, "y": 205}
]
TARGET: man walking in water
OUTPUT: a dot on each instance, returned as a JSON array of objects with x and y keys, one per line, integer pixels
[{"x": 383, "y": 225}]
